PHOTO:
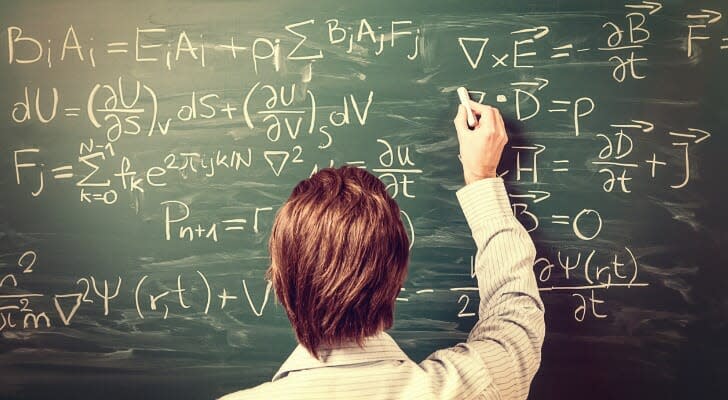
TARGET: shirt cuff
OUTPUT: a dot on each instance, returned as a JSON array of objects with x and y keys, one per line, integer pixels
[{"x": 484, "y": 200}]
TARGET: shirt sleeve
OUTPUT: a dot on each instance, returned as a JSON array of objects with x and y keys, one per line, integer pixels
[{"x": 503, "y": 350}]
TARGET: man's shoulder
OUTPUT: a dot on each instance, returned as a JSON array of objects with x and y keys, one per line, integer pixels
[{"x": 250, "y": 393}]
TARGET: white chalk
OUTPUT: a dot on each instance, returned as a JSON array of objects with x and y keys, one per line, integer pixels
[{"x": 465, "y": 101}]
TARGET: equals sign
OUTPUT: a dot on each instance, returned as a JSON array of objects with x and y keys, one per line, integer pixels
[
  {"x": 560, "y": 102},
  {"x": 72, "y": 112},
  {"x": 402, "y": 298},
  {"x": 235, "y": 221},
  {"x": 358, "y": 164},
  {"x": 560, "y": 219},
  {"x": 114, "y": 47},
  {"x": 724, "y": 46},
  {"x": 560, "y": 162},
  {"x": 563, "y": 53},
  {"x": 63, "y": 172}
]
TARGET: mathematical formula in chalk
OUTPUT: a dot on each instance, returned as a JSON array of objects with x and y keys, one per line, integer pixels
[{"x": 303, "y": 98}]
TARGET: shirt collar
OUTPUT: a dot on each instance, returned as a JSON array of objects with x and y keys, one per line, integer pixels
[{"x": 380, "y": 347}]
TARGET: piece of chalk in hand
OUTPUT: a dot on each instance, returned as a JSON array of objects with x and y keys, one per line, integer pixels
[{"x": 465, "y": 101}]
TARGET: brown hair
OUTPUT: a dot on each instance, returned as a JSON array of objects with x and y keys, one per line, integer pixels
[{"x": 339, "y": 254}]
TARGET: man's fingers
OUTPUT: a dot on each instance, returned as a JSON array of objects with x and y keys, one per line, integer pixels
[
  {"x": 479, "y": 109},
  {"x": 500, "y": 125},
  {"x": 487, "y": 117},
  {"x": 494, "y": 118},
  {"x": 461, "y": 119}
]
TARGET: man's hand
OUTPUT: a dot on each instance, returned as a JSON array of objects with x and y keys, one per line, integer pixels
[{"x": 481, "y": 147}]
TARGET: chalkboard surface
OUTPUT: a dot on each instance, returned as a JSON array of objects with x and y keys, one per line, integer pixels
[{"x": 145, "y": 147}]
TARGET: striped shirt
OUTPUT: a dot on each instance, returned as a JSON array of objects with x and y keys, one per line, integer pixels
[{"x": 499, "y": 358}]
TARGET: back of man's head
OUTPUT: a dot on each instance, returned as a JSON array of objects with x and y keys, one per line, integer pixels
[{"x": 339, "y": 254}]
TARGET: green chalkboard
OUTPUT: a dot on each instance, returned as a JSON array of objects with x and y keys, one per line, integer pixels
[{"x": 145, "y": 147}]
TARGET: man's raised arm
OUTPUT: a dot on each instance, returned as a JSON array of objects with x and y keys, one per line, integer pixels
[
  {"x": 510, "y": 329},
  {"x": 503, "y": 351}
]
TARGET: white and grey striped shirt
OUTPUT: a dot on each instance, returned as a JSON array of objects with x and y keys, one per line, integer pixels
[{"x": 499, "y": 358}]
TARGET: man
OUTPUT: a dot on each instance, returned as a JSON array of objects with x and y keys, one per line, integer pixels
[{"x": 339, "y": 255}]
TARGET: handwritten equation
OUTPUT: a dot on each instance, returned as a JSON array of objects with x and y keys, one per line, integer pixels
[
  {"x": 300, "y": 123},
  {"x": 18, "y": 309}
]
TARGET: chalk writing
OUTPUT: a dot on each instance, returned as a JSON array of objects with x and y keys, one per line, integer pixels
[{"x": 140, "y": 144}]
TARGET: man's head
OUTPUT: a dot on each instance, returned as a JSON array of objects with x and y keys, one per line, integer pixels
[{"x": 339, "y": 254}]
